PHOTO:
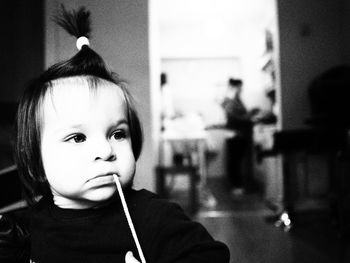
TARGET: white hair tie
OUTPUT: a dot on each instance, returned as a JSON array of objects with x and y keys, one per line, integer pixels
[{"x": 82, "y": 41}]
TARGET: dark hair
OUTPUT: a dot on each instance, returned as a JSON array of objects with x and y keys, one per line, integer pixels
[
  {"x": 163, "y": 79},
  {"x": 86, "y": 63},
  {"x": 235, "y": 82}
]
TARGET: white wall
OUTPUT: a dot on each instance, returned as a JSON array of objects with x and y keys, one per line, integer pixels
[
  {"x": 310, "y": 43},
  {"x": 120, "y": 35}
]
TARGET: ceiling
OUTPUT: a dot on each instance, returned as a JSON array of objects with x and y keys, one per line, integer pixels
[{"x": 236, "y": 14}]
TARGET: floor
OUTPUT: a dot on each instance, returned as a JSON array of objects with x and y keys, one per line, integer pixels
[{"x": 246, "y": 225}]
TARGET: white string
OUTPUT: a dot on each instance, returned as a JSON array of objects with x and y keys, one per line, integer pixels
[{"x": 127, "y": 214}]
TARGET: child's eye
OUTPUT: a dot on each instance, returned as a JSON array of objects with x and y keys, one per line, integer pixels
[
  {"x": 119, "y": 134},
  {"x": 77, "y": 138}
]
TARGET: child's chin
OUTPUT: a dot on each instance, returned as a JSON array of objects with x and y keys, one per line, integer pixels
[{"x": 101, "y": 194}]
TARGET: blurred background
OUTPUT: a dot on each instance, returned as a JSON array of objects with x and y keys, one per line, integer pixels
[{"x": 178, "y": 56}]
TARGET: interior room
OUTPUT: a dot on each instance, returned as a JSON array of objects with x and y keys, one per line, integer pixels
[
  {"x": 199, "y": 53},
  {"x": 178, "y": 57}
]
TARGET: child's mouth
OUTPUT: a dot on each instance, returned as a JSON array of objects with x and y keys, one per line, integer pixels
[
  {"x": 102, "y": 176},
  {"x": 100, "y": 180}
]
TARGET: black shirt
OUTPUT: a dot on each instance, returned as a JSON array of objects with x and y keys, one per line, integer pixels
[{"x": 165, "y": 233}]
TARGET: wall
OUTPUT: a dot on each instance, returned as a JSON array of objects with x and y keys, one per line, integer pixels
[
  {"x": 21, "y": 46},
  {"x": 22, "y": 58},
  {"x": 313, "y": 37},
  {"x": 310, "y": 36},
  {"x": 192, "y": 92},
  {"x": 120, "y": 36},
  {"x": 345, "y": 7}
]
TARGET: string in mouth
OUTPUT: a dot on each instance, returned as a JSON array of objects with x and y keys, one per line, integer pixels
[{"x": 128, "y": 218}]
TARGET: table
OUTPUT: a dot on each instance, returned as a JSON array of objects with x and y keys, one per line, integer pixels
[
  {"x": 195, "y": 140},
  {"x": 197, "y": 144}
]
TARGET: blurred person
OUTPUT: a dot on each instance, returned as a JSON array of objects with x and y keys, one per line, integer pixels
[
  {"x": 239, "y": 119},
  {"x": 167, "y": 106}
]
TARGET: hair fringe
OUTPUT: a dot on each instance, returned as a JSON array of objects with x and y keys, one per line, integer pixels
[{"x": 76, "y": 23}]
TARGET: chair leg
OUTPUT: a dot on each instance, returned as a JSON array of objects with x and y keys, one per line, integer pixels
[
  {"x": 191, "y": 172},
  {"x": 193, "y": 192},
  {"x": 284, "y": 219},
  {"x": 160, "y": 182}
]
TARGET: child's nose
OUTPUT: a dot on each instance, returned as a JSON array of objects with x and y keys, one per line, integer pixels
[{"x": 104, "y": 151}]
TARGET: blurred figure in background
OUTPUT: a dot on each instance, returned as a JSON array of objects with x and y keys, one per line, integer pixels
[
  {"x": 239, "y": 119},
  {"x": 167, "y": 105}
]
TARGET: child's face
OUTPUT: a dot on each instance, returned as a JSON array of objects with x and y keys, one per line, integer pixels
[{"x": 85, "y": 139}]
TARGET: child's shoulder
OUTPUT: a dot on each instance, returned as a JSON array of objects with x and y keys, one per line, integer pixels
[
  {"x": 148, "y": 198},
  {"x": 150, "y": 204},
  {"x": 145, "y": 198}
]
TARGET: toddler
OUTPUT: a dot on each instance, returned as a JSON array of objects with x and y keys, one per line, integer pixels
[{"x": 77, "y": 127}]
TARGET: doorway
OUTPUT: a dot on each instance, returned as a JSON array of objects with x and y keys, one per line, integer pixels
[{"x": 201, "y": 45}]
